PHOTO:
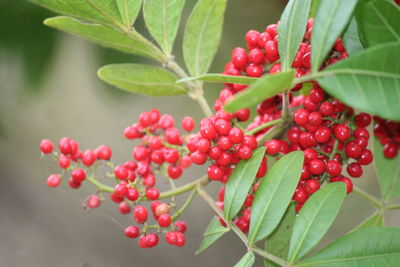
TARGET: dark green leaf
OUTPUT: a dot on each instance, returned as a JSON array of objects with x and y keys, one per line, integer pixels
[
  {"x": 330, "y": 21},
  {"x": 315, "y": 218},
  {"x": 371, "y": 247},
  {"x": 278, "y": 242},
  {"x": 213, "y": 232},
  {"x": 239, "y": 183},
  {"x": 221, "y": 78},
  {"x": 99, "y": 11},
  {"x": 102, "y": 35},
  {"x": 306, "y": 88},
  {"x": 202, "y": 35},
  {"x": 162, "y": 18},
  {"x": 274, "y": 194},
  {"x": 367, "y": 81},
  {"x": 351, "y": 39},
  {"x": 141, "y": 79},
  {"x": 388, "y": 171},
  {"x": 128, "y": 10},
  {"x": 376, "y": 219},
  {"x": 247, "y": 260},
  {"x": 291, "y": 29},
  {"x": 265, "y": 87},
  {"x": 378, "y": 21}
]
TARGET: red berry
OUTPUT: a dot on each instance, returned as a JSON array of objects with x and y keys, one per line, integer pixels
[
  {"x": 354, "y": 170},
  {"x": 93, "y": 202},
  {"x": 131, "y": 231},
  {"x": 64, "y": 145},
  {"x": 326, "y": 108},
  {"x": 245, "y": 152},
  {"x": 161, "y": 208},
  {"x": 333, "y": 168},
  {"x": 315, "y": 118},
  {"x": 46, "y": 146},
  {"x": 88, "y": 158},
  {"x": 271, "y": 51},
  {"x": 273, "y": 147},
  {"x": 63, "y": 161},
  {"x": 366, "y": 157},
  {"x": 224, "y": 143},
  {"x": 164, "y": 220},
  {"x": 215, "y": 153},
  {"x": 175, "y": 171},
  {"x": 300, "y": 195},
  {"x": 362, "y": 119},
  {"x": 242, "y": 114},
  {"x": 140, "y": 214},
  {"x": 151, "y": 240},
  {"x": 121, "y": 172},
  {"x": 390, "y": 150},
  {"x": 121, "y": 189},
  {"x": 187, "y": 124},
  {"x": 78, "y": 175},
  {"x": 198, "y": 157},
  {"x": 342, "y": 132},
  {"x": 254, "y": 70},
  {"x": 301, "y": 116},
  {"x": 256, "y": 56},
  {"x": 54, "y": 180},
  {"x": 236, "y": 135},
  {"x": 124, "y": 208},
  {"x": 116, "y": 198},
  {"x": 180, "y": 239},
  {"x": 316, "y": 166},
  {"x": 167, "y": 121},
  {"x": 322, "y": 135},
  {"x": 171, "y": 238},
  {"x": 353, "y": 150},
  {"x": 215, "y": 172},
  {"x": 171, "y": 155},
  {"x": 132, "y": 194},
  {"x": 152, "y": 193},
  {"x": 103, "y": 152},
  {"x": 311, "y": 186},
  {"x": 250, "y": 141},
  {"x": 173, "y": 136}
]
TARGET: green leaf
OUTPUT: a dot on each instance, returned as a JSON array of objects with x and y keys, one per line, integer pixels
[
  {"x": 278, "y": 242},
  {"x": 332, "y": 18},
  {"x": 162, "y": 19},
  {"x": 306, "y": 88},
  {"x": 291, "y": 29},
  {"x": 388, "y": 171},
  {"x": 101, "y": 35},
  {"x": 274, "y": 194},
  {"x": 265, "y": 87},
  {"x": 141, "y": 79},
  {"x": 247, "y": 260},
  {"x": 314, "y": 7},
  {"x": 351, "y": 39},
  {"x": 104, "y": 12},
  {"x": 213, "y": 232},
  {"x": 378, "y": 21},
  {"x": 202, "y": 35},
  {"x": 239, "y": 183},
  {"x": 315, "y": 218},
  {"x": 375, "y": 220},
  {"x": 367, "y": 81},
  {"x": 371, "y": 247},
  {"x": 221, "y": 78},
  {"x": 129, "y": 10}
]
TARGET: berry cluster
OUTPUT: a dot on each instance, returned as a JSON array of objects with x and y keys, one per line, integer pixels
[
  {"x": 161, "y": 150},
  {"x": 388, "y": 133}
]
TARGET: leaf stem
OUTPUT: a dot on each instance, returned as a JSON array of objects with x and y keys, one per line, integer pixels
[
  {"x": 285, "y": 107},
  {"x": 265, "y": 125},
  {"x": 393, "y": 207},
  {"x": 185, "y": 205},
  {"x": 100, "y": 186},
  {"x": 210, "y": 201},
  {"x": 185, "y": 188},
  {"x": 374, "y": 201}
]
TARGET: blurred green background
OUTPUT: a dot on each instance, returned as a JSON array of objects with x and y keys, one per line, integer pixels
[{"x": 49, "y": 89}]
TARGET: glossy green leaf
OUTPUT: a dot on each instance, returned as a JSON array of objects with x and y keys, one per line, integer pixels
[
  {"x": 315, "y": 218},
  {"x": 274, "y": 194},
  {"x": 128, "y": 10},
  {"x": 388, "y": 171},
  {"x": 99, "y": 11},
  {"x": 102, "y": 35},
  {"x": 371, "y": 247},
  {"x": 351, "y": 38},
  {"x": 265, "y": 87},
  {"x": 291, "y": 29},
  {"x": 330, "y": 21},
  {"x": 239, "y": 183},
  {"x": 314, "y": 7},
  {"x": 367, "y": 81},
  {"x": 247, "y": 260},
  {"x": 162, "y": 19},
  {"x": 141, "y": 79},
  {"x": 375, "y": 220},
  {"x": 221, "y": 78},
  {"x": 278, "y": 242},
  {"x": 213, "y": 232},
  {"x": 378, "y": 21},
  {"x": 202, "y": 35}
]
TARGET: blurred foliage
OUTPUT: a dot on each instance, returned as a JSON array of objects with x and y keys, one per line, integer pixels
[{"x": 23, "y": 35}]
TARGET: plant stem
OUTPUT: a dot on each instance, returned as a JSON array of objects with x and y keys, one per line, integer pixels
[
  {"x": 374, "y": 201},
  {"x": 185, "y": 206},
  {"x": 100, "y": 186},
  {"x": 185, "y": 188},
  {"x": 285, "y": 107},
  {"x": 273, "y": 132},
  {"x": 240, "y": 234},
  {"x": 265, "y": 125},
  {"x": 393, "y": 207}
]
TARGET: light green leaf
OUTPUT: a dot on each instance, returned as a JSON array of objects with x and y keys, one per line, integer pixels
[
  {"x": 247, "y": 260},
  {"x": 101, "y": 35},
  {"x": 162, "y": 19},
  {"x": 330, "y": 21},
  {"x": 221, "y": 78},
  {"x": 265, "y": 87},
  {"x": 351, "y": 39},
  {"x": 375, "y": 220},
  {"x": 315, "y": 218},
  {"x": 388, "y": 171},
  {"x": 141, "y": 79},
  {"x": 104, "y": 12},
  {"x": 202, "y": 35},
  {"x": 367, "y": 81},
  {"x": 378, "y": 21},
  {"x": 239, "y": 183},
  {"x": 371, "y": 247},
  {"x": 278, "y": 242},
  {"x": 314, "y": 7},
  {"x": 213, "y": 232},
  {"x": 274, "y": 194},
  {"x": 291, "y": 29},
  {"x": 128, "y": 10}
]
